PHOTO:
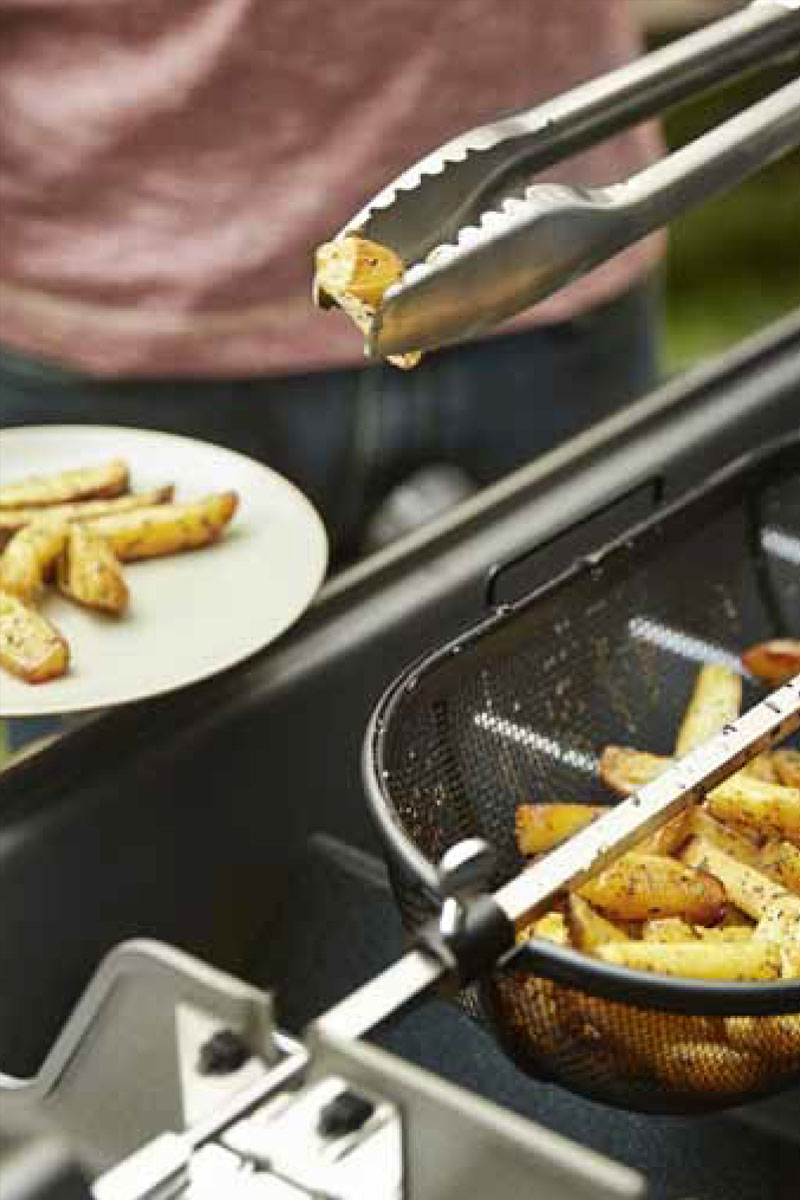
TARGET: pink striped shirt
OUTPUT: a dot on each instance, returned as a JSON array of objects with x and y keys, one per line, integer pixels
[{"x": 168, "y": 166}]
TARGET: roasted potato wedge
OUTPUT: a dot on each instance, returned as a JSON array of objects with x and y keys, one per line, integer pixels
[
  {"x": 588, "y": 928},
  {"x": 668, "y": 929},
  {"x": 625, "y": 770},
  {"x": 781, "y": 862},
  {"x": 90, "y": 572},
  {"x": 769, "y": 808},
  {"x": 749, "y": 889},
  {"x": 786, "y": 764},
  {"x": 643, "y": 886},
  {"x": 30, "y": 646},
  {"x": 354, "y": 274},
  {"x": 724, "y": 933},
  {"x": 29, "y": 557},
  {"x": 775, "y": 662},
  {"x": 108, "y": 479},
  {"x": 541, "y": 827},
  {"x": 756, "y": 959},
  {"x": 716, "y": 701},
  {"x": 762, "y": 767},
  {"x": 166, "y": 528},
  {"x": 781, "y": 924},
  {"x": 14, "y": 519}
]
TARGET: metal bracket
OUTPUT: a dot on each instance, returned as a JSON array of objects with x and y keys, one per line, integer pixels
[{"x": 112, "y": 1080}]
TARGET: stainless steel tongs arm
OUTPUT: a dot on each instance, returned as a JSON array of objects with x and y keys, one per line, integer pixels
[
  {"x": 534, "y": 245},
  {"x": 428, "y": 204},
  {"x": 468, "y": 202}
]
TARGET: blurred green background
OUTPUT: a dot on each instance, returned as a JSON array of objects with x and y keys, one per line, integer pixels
[{"x": 733, "y": 264}]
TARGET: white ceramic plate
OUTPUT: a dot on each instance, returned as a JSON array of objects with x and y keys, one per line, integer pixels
[{"x": 192, "y": 614}]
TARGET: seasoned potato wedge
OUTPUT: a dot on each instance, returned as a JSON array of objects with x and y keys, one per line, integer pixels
[
  {"x": 30, "y": 646},
  {"x": 781, "y": 862},
  {"x": 90, "y": 572},
  {"x": 642, "y": 886},
  {"x": 668, "y": 929},
  {"x": 108, "y": 479},
  {"x": 625, "y": 770},
  {"x": 166, "y": 528},
  {"x": 781, "y": 924},
  {"x": 670, "y": 837},
  {"x": 354, "y": 274},
  {"x": 775, "y": 662},
  {"x": 716, "y": 701},
  {"x": 724, "y": 933},
  {"x": 82, "y": 510},
  {"x": 786, "y": 764},
  {"x": 589, "y": 929},
  {"x": 762, "y": 767},
  {"x": 739, "y": 961},
  {"x": 552, "y": 927},
  {"x": 29, "y": 556},
  {"x": 738, "y": 840},
  {"x": 541, "y": 827},
  {"x": 769, "y": 808},
  {"x": 750, "y": 890}
]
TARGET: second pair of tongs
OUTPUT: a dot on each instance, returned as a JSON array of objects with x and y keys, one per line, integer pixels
[{"x": 479, "y": 245}]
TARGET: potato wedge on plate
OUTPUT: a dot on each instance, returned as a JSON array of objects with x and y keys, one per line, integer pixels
[
  {"x": 90, "y": 572},
  {"x": 166, "y": 528},
  {"x": 108, "y": 479},
  {"x": 30, "y": 646},
  {"x": 30, "y": 556},
  {"x": 13, "y": 519}
]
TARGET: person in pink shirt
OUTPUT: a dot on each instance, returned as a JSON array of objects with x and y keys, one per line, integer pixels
[{"x": 166, "y": 171}]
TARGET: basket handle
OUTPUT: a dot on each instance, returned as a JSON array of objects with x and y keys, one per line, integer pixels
[{"x": 509, "y": 582}]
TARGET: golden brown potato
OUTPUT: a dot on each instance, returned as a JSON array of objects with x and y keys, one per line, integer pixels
[
  {"x": 780, "y": 923},
  {"x": 588, "y": 928},
  {"x": 552, "y": 927},
  {"x": 29, "y": 557},
  {"x": 670, "y": 837},
  {"x": 90, "y": 572},
  {"x": 642, "y": 886},
  {"x": 668, "y": 929},
  {"x": 787, "y": 767},
  {"x": 166, "y": 528},
  {"x": 625, "y": 770},
  {"x": 769, "y": 808},
  {"x": 541, "y": 827},
  {"x": 775, "y": 662},
  {"x": 750, "y": 890},
  {"x": 763, "y": 767},
  {"x": 738, "y": 840},
  {"x": 725, "y": 933},
  {"x": 354, "y": 274},
  {"x": 30, "y": 646},
  {"x": 716, "y": 701},
  {"x": 781, "y": 862},
  {"x": 756, "y": 959},
  {"x": 712, "y": 1067},
  {"x": 108, "y": 479},
  {"x": 13, "y": 519}
]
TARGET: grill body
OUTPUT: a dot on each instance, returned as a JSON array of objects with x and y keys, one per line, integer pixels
[{"x": 519, "y": 709}]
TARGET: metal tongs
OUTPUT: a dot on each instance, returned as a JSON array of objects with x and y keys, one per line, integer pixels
[{"x": 480, "y": 245}]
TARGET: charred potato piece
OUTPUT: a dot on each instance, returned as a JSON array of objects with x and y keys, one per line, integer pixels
[
  {"x": 775, "y": 662},
  {"x": 354, "y": 274},
  {"x": 30, "y": 646},
  {"x": 29, "y": 557},
  {"x": 108, "y": 479},
  {"x": 166, "y": 528},
  {"x": 716, "y": 701},
  {"x": 642, "y": 886},
  {"x": 90, "y": 572}
]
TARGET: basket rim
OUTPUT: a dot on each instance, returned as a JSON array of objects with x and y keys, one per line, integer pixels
[{"x": 539, "y": 957}]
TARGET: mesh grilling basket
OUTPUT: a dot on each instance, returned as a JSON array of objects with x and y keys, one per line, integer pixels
[{"x": 520, "y": 707}]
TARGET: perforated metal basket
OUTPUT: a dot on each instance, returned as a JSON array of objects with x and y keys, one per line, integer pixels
[{"x": 520, "y": 707}]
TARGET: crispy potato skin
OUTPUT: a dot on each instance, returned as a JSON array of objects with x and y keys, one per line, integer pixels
[
  {"x": 90, "y": 573},
  {"x": 541, "y": 827},
  {"x": 13, "y": 519},
  {"x": 108, "y": 479},
  {"x": 640, "y": 887},
  {"x": 29, "y": 556},
  {"x": 716, "y": 700},
  {"x": 166, "y": 528},
  {"x": 755, "y": 959},
  {"x": 775, "y": 662},
  {"x": 30, "y": 646}
]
